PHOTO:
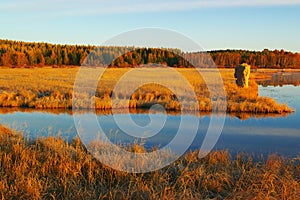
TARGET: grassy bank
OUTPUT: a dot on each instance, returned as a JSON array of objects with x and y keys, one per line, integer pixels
[
  {"x": 48, "y": 168},
  {"x": 48, "y": 88}
]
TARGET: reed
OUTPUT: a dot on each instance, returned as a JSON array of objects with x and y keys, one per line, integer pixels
[
  {"x": 49, "y": 168},
  {"x": 52, "y": 88}
]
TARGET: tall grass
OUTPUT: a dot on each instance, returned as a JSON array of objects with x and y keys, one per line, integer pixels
[
  {"x": 49, "y": 168},
  {"x": 49, "y": 88}
]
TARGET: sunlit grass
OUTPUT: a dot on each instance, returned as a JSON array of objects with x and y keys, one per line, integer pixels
[
  {"x": 45, "y": 88},
  {"x": 49, "y": 168}
]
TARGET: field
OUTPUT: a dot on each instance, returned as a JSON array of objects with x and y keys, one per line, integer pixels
[
  {"x": 49, "y": 168},
  {"x": 52, "y": 88}
]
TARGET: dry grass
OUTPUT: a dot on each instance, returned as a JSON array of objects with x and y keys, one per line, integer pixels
[
  {"x": 48, "y": 88},
  {"x": 49, "y": 168}
]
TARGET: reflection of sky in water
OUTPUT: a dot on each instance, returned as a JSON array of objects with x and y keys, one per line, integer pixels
[
  {"x": 288, "y": 94},
  {"x": 257, "y": 135},
  {"x": 40, "y": 123}
]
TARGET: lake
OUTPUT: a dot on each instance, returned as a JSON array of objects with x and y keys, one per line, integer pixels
[{"x": 254, "y": 134}]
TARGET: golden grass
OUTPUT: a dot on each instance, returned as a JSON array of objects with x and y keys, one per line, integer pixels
[
  {"x": 49, "y": 168},
  {"x": 48, "y": 88}
]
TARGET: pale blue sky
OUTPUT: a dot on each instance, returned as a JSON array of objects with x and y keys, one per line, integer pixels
[{"x": 214, "y": 24}]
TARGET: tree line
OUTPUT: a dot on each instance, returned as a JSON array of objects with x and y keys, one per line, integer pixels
[{"x": 28, "y": 54}]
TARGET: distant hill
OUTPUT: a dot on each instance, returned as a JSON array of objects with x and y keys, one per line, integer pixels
[{"x": 28, "y": 54}]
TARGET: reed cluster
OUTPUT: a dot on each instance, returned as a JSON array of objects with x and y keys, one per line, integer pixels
[{"x": 50, "y": 168}]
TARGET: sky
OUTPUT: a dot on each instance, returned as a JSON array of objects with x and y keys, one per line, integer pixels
[{"x": 213, "y": 24}]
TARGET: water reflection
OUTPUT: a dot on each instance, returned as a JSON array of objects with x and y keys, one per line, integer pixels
[
  {"x": 281, "y": 79},
  {"x": 258, "y": 134},
  {"x": 241, "y": 116}
]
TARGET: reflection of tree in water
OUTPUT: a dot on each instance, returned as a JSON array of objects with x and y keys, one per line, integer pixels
[
  {"x": 282, "y": 78},
  {"x": 241, "y": 115},
  {"x": 245, "y": 116}
]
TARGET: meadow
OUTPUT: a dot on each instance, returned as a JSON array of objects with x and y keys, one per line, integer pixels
[
  {"x": 52, "y": 88},
  {"x": 49, "y": 168}
]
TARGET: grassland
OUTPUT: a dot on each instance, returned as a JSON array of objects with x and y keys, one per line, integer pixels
[
  {"x": 49, "y": 168},
  {"x": 52, "y": 88}
]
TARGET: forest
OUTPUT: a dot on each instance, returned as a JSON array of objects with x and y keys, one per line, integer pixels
[{"x": 18, "y": 54}]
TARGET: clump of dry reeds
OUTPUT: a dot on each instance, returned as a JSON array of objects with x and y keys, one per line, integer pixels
[
  {"x": 49, "y": 168},
  {"x": 247, "y": 100}
]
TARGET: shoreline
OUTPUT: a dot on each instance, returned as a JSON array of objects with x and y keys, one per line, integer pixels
[{"x": 52, "y": 88}]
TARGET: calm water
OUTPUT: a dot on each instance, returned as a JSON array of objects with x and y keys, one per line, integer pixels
[
  {"x": 252, "y": 134},
  {"x": 282, "y": 78}
]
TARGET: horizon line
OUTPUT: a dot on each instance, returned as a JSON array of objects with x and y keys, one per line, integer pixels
[{"x": 205, "y": 50}]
